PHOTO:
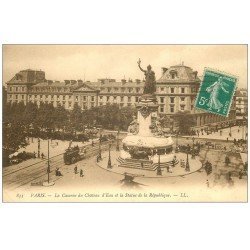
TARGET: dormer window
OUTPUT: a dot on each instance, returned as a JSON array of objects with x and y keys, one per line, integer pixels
[
  {"x": 173, "y": 74},
  {"x": 18, "y": 77}
]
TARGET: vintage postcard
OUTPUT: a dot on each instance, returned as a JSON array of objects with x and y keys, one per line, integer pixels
[{"x": 125, "y": 123}]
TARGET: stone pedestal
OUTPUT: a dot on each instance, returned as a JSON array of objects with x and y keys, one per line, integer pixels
[{"x": 144, "y": 143}]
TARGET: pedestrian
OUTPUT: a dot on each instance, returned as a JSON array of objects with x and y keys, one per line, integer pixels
[
  {"x": 207, "y": 182},
  {"x": 167, "y": 168},
  {"x": 240, "y": 174},
  {"x": 227, "y": 138},
  {"x": 81, "y": 173},
  {"x": 227, "y": 160},
  {"x": 75, "y": 169},
  {"x": 42, "y": 155}
]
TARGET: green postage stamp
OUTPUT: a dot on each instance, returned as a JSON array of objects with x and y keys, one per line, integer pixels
[{"x": 216, "y": 92}]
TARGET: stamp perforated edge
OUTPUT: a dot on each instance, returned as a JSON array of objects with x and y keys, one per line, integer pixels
[{"x": 220, "y": 72}]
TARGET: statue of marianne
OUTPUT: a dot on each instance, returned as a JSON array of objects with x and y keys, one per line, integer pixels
[{"x": 149, "y": 87}]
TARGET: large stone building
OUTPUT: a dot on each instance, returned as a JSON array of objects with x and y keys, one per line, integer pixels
[
  {"x": 176, "y": 91},
  {"x": 241, "y": 103}
]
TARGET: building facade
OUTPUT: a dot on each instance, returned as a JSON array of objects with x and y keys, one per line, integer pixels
[
  {"x": 241, "y": 103},
  {"x": 176, "y": 91}
]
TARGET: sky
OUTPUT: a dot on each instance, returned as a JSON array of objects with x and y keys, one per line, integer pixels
[{"x": 91, "y": 62}]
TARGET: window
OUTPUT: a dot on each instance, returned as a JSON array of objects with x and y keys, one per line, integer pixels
[
  {"x": 92, "y": 98},
  {"x": 10, "y": 88},
  {"x": 162, "y": 99},
  {"x": 22, "y": 96},
  {"x": 130, "y": 90},
  {"x": 107, "y": 98},
  {"x": 101, "y": 97},
  {"x": 69, "y": 104},
  {"x": 84, "y": 98},
  {"x": 129, "y": 99},
  {"x": 35, "y": 96},
  {"x": 182, "y": 90},
  {"x": 109, "y": 90},
  {"x": 172, "y": 109},
  {"x": 183, "y": 99},
  {"x": 171, "y": 99},
  {"x": 16, "y": 96},
  {"x": 41, "y": 96},
  {"x": 10, "y": 96},
  {"x": 22, "y": 88},
  {"x": 77, "y": 98},
  {"x": 172, "y": 90},
  {"x": 137, "y": 90},
  {"x": 182, "y": 107},
  {"x": 162, "y": 109},
  {"x": 192, "y": 107},
  {"x": 64, "y": 97},
  {"x": 16, "y": 88},
  {"x": 137, "y": 99},
  {"x": 122, "y": 98}
]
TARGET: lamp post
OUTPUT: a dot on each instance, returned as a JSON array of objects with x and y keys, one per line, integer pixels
[
  {"x": 48, "y": 182},
  {"x": 176, "y": 144},
  {"x": 109, "y": 160},
  {"x": 100, "y": 149},
  {"x": 187, "y": 168},
  {"x": 38, "y": 147},
  {"x": 193, "y": 156},
  {"x": 117, "y": 144},
  {"x": 159, "y": 172}
]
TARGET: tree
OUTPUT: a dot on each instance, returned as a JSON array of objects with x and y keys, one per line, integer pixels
[
  {"x": 30, "y": 113},
  {"x": 76, "y": 117},
  {"x": 185, "y": 121},
  {"x": 60, "y": 117},
  {"x": 45, "y": 116},
  {"x": 14, "y": 138}
]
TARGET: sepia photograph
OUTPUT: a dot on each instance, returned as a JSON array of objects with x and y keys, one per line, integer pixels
[{"x": 124, "y": 123}]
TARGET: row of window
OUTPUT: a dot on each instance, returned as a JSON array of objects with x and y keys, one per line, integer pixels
[
  {"x": 50, "y": 89},
  {"x": 172, "y": 110},
  {"x": 122, "y": 90},
  {"x": 162, "y": 99},
  {"x": 17, "y": 89}
]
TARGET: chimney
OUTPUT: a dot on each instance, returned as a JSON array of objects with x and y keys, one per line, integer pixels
[
  {"x": 79, "y": 81},
  {"x": 137, "y": 81},
  {"x": 72, "y": 81},
  {"x": 50, "y": 82},
  {"x": 124, "y": 81},
  {"x": 67, "y": 82},
  {"x": 195, "y": 74}
]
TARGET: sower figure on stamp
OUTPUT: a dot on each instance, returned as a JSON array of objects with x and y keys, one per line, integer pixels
[
  {"x": 149, "y": 87},
  {"x": 214, "y": 90}
]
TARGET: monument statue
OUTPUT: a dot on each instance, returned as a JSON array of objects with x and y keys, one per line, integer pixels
[{"x": 149, "y": 87}]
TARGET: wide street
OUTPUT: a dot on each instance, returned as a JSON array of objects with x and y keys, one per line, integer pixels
[{"x": 28, "y": 178}]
